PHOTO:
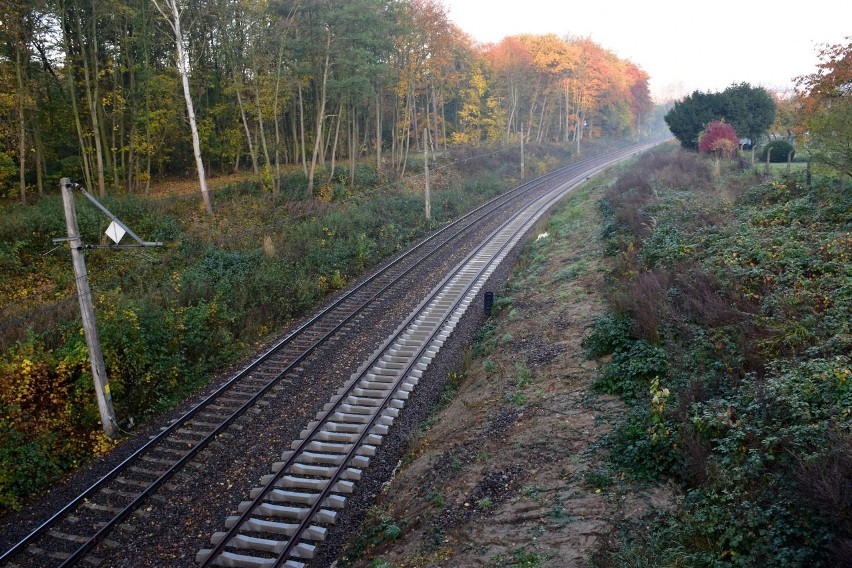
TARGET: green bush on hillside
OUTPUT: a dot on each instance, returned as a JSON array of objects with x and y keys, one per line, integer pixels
[{"x": 780, "y": 150}]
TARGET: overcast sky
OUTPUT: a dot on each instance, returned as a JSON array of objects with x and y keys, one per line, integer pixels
[{"x": 683, "y": 45}]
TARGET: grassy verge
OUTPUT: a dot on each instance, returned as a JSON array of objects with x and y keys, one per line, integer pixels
[{"x": 727, "y": 331}]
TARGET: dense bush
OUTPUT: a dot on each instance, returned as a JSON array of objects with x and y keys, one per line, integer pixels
[
  {"x": 780, "y": 149},
  {"x": 729, "y": 335}
]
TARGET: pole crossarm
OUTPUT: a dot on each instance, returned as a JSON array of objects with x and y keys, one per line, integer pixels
[{"x": 117, "y": 221}]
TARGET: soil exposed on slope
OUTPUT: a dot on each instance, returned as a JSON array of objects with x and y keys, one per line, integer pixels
[{"x": 512, "y": 470}]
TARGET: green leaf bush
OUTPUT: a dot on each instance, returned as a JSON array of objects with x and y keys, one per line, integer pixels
[{"x": 780, "y": 150}]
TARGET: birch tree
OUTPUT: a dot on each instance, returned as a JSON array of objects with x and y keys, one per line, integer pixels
[{"x": 173, "y": 18}]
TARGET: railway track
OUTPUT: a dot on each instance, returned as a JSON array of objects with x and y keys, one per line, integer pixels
[{"x": 311, "y": 482}]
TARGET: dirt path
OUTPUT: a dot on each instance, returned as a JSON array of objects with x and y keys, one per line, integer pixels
[{"x": 511, "y": 471}]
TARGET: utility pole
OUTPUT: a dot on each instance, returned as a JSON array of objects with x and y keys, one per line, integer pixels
[
  {"x": 115, "y": 231},
  {"x": 523, "y": 175},
  {"x": 87, "y": 311}
]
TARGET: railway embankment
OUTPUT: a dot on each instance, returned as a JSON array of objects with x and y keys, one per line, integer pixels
[{"x": 665, "y": 381}]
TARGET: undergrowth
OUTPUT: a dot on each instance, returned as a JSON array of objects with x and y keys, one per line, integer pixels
[{"x": 728, "y": 333}]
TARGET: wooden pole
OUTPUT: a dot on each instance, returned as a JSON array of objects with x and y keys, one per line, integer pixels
[
  {"x": 87, "y": 311},
  {"x": 523, "y": 174},
  {"x": 428, "y": 195}
]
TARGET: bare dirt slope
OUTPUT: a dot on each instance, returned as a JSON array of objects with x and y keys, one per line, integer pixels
[{"x": 512, "y": 471}]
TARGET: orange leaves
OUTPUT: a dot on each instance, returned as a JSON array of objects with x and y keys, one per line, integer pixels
[
  {"x": 834, "y": 77},
  {"x": 575, "y": 80},
  {"x": 832, "y": 80}
]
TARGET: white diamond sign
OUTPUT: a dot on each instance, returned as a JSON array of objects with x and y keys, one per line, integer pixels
[{"x": 115, "y": 232}]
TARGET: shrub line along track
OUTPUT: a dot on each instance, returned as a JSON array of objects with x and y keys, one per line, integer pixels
[{"x": 176, "y": 445}]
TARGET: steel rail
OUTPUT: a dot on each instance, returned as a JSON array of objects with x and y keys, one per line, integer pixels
[{"x": 326, "y": 416}]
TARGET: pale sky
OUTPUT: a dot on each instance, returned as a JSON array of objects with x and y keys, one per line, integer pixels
[{"x": 683, "y": 45}]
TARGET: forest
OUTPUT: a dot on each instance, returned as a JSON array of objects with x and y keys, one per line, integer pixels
[{"x": 94, "y": 90}]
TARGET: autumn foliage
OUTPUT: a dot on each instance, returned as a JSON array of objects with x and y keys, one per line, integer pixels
[
  {"x": 567, "y": 89},
  {"x": 720, "y": 139},
  {"x": 825, "y": 119}
]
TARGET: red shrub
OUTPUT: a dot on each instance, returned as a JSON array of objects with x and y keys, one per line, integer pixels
[{"x": 720, "y": 139}]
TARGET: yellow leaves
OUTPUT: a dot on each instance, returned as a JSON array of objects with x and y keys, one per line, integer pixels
[
  {"x": 658, "y": 431},
  {"x": 327, "y": 284},
  {"x": 325, "y": 193},
  {"x": 132, "y": 318},
  {"x": 101, "y": 444},
  {"x": 175, "y": 280},
  {"x": 26, "y": 367}
]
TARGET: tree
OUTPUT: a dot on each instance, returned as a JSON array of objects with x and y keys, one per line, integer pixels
[
  {"x": 513, "y": 64},
  {"x": 689, "y": 117},
  {"x": 826, "y": 117},
  {"x": 750, "y": 110},
  {"x": 182, "y": 61},
  {"x": 787, "y": 106},
  {"x": 640, "y": 97}
]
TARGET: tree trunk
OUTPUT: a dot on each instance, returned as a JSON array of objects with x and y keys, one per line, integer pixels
[
  {"x": 93, "y": 111},
  {"x": 183, "y": 70},
  {"x": 513, "y": 104},
  {"x": 22, "y": 127},
  {"x": 427, "y": 193},
  {"x": 394, "y": 124},
  {"x": 435, "y": 134},
  {"x": 378, "y": 131},
  {"x": 406, "y": 141},
  {"x": 540, "y": 136},
  {"x": 352, "y": 152},
  {"x": 443, "y": 122},
  {"x": 336, "y": 137},
  {"x": 320, "y": 115},
  {"x": 302, "y": 143},
  {"x": 276, "y": 181},
  {"x": 260, "y": 125},
  {"x": 414, "y": 124},
  {"x": 117, "y": 133},
  {"x": 72, "y": 95},
  {"x": 244, "y": 120},
  {"x": 41, "y": 169}
]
